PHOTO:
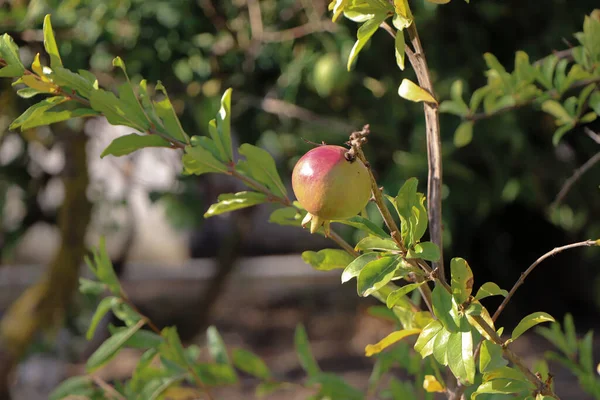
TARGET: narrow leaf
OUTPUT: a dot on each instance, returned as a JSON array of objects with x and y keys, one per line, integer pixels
[
  {"x": 110, "y": 348},
  {"x": 261, "y": 166},
  {"x": 530, "y": 321},
  {"x": 103, "y": 307},
  {"x": 411, "y": 91},
  {"x": 353, "y": 269},
  {"x": 490, "y": 289},
  {"x": 394, "y": 297},
  {"x": 305, "y": 355},
  {"x": 234, "y": 201},
  {"x": 127, "y": 144},
  {"x": 389, "y": 340},
  {"x": 376, "y": 274},
  {"x": 462, "y": 279},
  {"x": 216, "y": 346},
  {"x": 50, "y": 43},
  {"x": 251, "y": 364},
  {"x": 327, "y": 259},
  {"x": 363, "y": 35}
]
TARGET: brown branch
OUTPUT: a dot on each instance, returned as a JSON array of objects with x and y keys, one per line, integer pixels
[
  {"x": 593, "y": 135},
  {"x": 571, "y": 181},
  {"x": 434, "y": 148},
  {"x": 535, "y": 264}
]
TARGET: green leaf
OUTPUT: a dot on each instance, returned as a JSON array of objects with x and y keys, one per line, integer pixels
[
  {"x": 198, "y": 161},
  {"x": 125, "y": 313},
  {"x": 586, "y": 352},
  {"x": 442, "y": 307},
  {"x": 490, "y": 357},
  {"x": 389, "y": 340},
  {"x": 560, "y": 132},
  {"x": 334, "y": 387},
  {"x": 477, "y": 97},
  {"x": 530, "y": 321},
  {"x": 9, "y": 52},
  {"x": 164, "y": 109},
  {"x": 127, "y": 144},
  {"x": 327, "y": 259},
  {"x": 411, "y": 209},
  {"x": 376, "y": 243},
  {"x": 50, "y": 43},
  {"x": 556, "y": 109},
  {"x": 425, "y": 341},
  {"x": 490, "y": 289},
  {"x": 463, "y": 134},
  {"x": 425, "y": 250},
  {"x": 66, "y": 78},
  {"x": 134, "y": 108},
  {"x": 260, "y": 165},
  {"x": 505, "y": 372},
  {"x": 364, "y": 225},
  {"x": 460, "y": 356},
  {"x": 172, "y": 348},
  {"x": 87, "y": 286},
  {"x": 234, "y": 201},
  {"x": 144, "y": 339},
  {"x": 500, "y": 386},
  {"x": 32, "y": 113},
  {"x": 353, "y": 269},
  {"x": 222, "y": 134},
  {"x": 102, "y": 267},
  {"x": 594, "y": 102},
  {"x": 114, "y": 109},
  {"x": 452, "y": 107},
  {"x": 216, "y": 346},
  {"x": 440, "y": 346},
  {"x": 399, "y": 49},
  {"x": 462, "y": 279},
  {"x": 103, "y": 307},
  {"x": 411, "y": 91},
  {"x": 266, "y": 388},
  {"x": 251, "y": 364},
  {"x": 363, "y": 35},
  {"x": 286, "y": 216},
  {"x": 376, "y": 274},
  {"x": 394, "y": 297},
  {"x": 154, "y": 388},
  {"x": 547, "y": 71},
  {"x": 302, "y": 346},
  {"x": 110, "y": 348},
  {"x": 74, "y": 386},
  {"x": 216, "y": 374},
  {"x": 27, "y": 93}
]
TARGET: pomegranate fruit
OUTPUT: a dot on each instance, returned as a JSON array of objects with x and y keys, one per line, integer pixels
[{"x": 329, "y": 186}]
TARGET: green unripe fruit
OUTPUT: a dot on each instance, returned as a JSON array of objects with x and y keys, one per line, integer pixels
[
  {"x": 329, "y": 75},
  {"x": 329, "y": 186}
]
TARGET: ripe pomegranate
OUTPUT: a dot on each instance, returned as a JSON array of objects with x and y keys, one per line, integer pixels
[{"x": 329, "y": 186}]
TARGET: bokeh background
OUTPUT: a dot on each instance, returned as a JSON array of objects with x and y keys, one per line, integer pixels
[{"x": 285, "y": 61}]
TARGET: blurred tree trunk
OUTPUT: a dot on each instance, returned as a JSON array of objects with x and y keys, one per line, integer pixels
[{"x": 43, "y": 305}]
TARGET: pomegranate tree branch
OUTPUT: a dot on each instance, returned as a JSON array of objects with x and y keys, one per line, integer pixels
[
  {"x": 535, "y": 264},
  {"x": 574, "y": 178}
]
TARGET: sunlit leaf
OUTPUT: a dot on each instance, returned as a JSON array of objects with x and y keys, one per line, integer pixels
[
  {"x": 462, "y": 279},
  {"x": 327, "y": 259},
  {"x": 127, "y": 144},
  {"x": 490, "y": 289},
  {"x": 411, "y": 91},
  {"x": 110, "y": 348},
  {"x": 50, "y": 43},
  {"x": 260, "y": 165},
  {"x": 430, "y": 383},
  {"x": 389, "y": 340},
  {"x": 425, "y": 250},
  {"x": 376, "y": 274},
  {"x": 234, "y": 201},
  {"x": 529, "y": 322},
  {"x": 9, "y": 52},
  {"x": 353, "y": 269},
  {"x": 394, "y": 297},
  {"x": 363, "y": 35},
  {"x": 376, "y": 243},
  {"x": 425, "y": 341},
  {"x": 490, "y": 357}
]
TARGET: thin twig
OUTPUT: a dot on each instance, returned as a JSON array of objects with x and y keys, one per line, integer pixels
[
  {"x": 108, "y": 389},
  {"x": 535, "y": 264},
  {"x": 342, "y": 243},
  {"x": 571, "y": 181},
  {"x": 593, "y": 135}
]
